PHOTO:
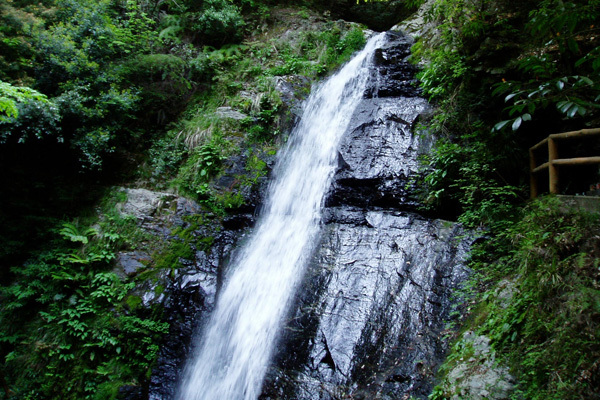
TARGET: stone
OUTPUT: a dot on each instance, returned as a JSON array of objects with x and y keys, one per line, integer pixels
[
  {"x": 230, "y": 113},
  {"x": 480, "y": 377},
  {"x": 418, "y": 26},
  {"x": 292, "y": 90},
  {"x": 142, "y": 203},
  {"x": 505, "y": 291},
  {"x": 129, "y": 263}
]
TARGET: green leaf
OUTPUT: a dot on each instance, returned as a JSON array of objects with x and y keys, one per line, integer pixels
[
  {"x": 517, "y": 123},
  {"x": 573, "y": 110},
  {"x": 573, "y": 46},
  {"x": 500, "y": 125},
  {"x": 564, "y": 106}
]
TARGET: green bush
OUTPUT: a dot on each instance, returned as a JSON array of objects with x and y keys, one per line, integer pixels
[
  {"x": 65, "y": 329},
  {"x": 203, "y": 164},
  {"x": 550, "y": 333},
  {"x": 26, "y": 115},
  {"x": 219, "y": 22}
]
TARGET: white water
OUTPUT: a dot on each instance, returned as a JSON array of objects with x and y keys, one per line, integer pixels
[{"x": 238, "y": 341}]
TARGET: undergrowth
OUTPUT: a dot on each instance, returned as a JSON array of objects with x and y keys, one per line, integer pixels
[
  {"x": 546, "y": 326},
  {"x": 503, "y": 76},
  {"x": 70, "y": 326}
]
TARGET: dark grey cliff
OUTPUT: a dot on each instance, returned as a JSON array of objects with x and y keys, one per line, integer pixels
[{"x": 368, "y": 321}]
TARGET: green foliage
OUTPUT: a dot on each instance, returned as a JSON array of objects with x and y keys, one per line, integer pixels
[
  {"x": 460, "y": 24},
  {"x": 469, "y": 176},
  {"x": 203, "y": 164},
  {"x": 12, "y": 95},
  {"x": 96, "y": 117},
  {"x": 219, "y": 22},
  {"x": 212, "y": 22},
  {"x": 163, "y": 77},
  {"x": 537, "y": 60},
  {"x": 256, "y": 167},
  {"x": 260, "y": 125},
  {"x": 566, "y": 74},
  {"x": 485, "y": 170},
  {"x": 66, "y": 331},
  {"x": 549, "y": 332},
  {"x": 165, "y": 156},
  {"x": 78, "y": 48},
  {"x": 440, "y": 78},
  {"x": 319, "y": 52},
  {"x": 545, "y": 327},
  {"x": 17, "y": 28},
  {"x": 186, "y": 240},
  {"x": 340, "y": 46},
  {"x": 26, "y": 114}
]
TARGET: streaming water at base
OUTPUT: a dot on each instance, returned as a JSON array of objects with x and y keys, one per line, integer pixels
[{"x": 237, "y": 343}]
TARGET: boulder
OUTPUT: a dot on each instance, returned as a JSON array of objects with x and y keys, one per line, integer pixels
[{"x": 143, "y": 203}]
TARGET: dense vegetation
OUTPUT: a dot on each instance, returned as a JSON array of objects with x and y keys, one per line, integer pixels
[
  {"x": 505, "y": 75},
  {"x": 110, "y": 92}
]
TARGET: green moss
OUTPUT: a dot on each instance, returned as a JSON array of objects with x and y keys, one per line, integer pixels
[
  {"x": 133, "y": 302},
  {"x": 175, "y": 251},
  {"x": 159, "y": 289}
]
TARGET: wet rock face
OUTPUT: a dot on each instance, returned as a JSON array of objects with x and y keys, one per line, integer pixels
[
  {"x": 368, "y": 320},
  {"x": 185, "y": 294},
  {"x": 384, "y": 279},
  {"x": 392, "y": 75},
  {"x": 378, "y": 154},
  {"x": 190, "y": 298}
]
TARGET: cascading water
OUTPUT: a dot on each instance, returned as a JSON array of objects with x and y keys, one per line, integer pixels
[{"x": 238, "y": 341}]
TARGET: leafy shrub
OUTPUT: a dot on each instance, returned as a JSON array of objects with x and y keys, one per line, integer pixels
[
  {"x": 95, "y": 121},
  {"x": 202, "y": 165},
  {"x": 168, "y": 69},
  {"x": 26, "y": 114},
  {"x": 564, "y": 78},
  {"x": 261, "y": 125},
  {"x": 467, "y": 182},
  {"x": 340, "y": 47},
  {"x": 549, "y": 332},
  {"x": 65, "y": 330},
  {"x": 218, "y": 23}
]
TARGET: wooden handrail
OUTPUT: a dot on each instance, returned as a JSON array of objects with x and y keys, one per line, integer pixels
[
  {"x": 553, "y": 160},
  {"x": 567, "y": 135}
]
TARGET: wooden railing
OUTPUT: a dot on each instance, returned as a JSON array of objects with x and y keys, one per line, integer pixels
[{"x": 554, "y": 162}]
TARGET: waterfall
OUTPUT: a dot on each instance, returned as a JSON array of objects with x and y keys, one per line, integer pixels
[{"x": 237, "y": 343}]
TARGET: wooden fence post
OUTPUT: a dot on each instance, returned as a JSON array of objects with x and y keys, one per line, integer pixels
[{"x": 552, "y": 169}]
